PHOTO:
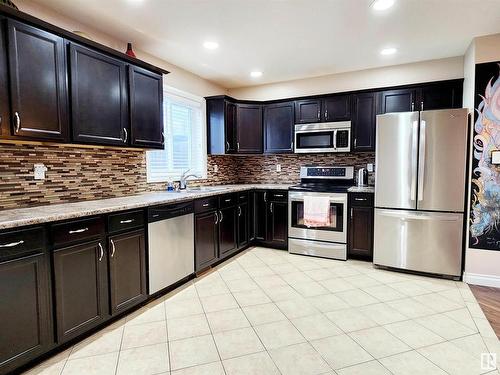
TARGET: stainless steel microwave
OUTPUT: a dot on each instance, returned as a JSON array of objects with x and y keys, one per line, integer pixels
[{"x": 323, "y": 137}]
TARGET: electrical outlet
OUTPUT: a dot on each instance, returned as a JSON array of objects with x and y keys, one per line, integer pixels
[
  {"x": 39, "y": 171},
  {"x": 278, "y": 167},
  {"x": 216, "y": 168},
  {"x": 369, "y": 166}
]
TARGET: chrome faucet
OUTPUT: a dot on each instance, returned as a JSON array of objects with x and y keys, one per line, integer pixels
[{"x": 184, "y": 177}]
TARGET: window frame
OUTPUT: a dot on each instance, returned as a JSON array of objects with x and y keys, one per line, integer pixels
[{"x": 169, "y": 91}]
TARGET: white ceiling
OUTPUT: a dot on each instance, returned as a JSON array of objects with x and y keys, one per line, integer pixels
[{"x": 287, "y": 39}]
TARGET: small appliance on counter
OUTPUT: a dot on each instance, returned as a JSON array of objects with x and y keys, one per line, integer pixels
[
  {"x": 362, "y": 177},
  {"x": 328, "y": 238}
]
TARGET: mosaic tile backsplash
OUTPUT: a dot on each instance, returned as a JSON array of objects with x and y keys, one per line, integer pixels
[{"x": 76, "y": 174}]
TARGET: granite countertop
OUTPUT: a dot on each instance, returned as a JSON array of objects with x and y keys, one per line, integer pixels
[
  {"x": 361, "y": 189},
  {"x": 64, "y": 211}
]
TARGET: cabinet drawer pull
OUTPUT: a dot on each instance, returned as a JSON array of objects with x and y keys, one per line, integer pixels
[
  {"x": 206, "y": 204},
  {"x": 156, "y": 215},
  {"x": 12, "y": 244},
  {"x": 127, "y": 221},
  {"x": 101, "y": 252},
  {"x": 113, "y": 248},
  {"x": 242, "y": 197},
  {"x": 78, "y": 230},
  {"x": 278, "y": 195},
  {"x": 360, "y": 199},
  {"x": 228, "y": 200},
  {"x": 18, "y": 122}
]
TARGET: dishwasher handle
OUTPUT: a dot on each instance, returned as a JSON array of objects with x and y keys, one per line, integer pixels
[{"x": 170, "y": 211}]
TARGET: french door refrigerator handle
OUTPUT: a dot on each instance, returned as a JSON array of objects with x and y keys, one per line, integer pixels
[
  {"x": 421, "y": 161},
  {"x": 414, "y": 143}
]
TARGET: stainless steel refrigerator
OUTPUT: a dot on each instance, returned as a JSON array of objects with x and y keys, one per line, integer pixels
[{"x": 421, "y": 160}]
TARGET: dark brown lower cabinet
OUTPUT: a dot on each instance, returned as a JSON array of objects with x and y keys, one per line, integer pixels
[
  {"x": 25, "y": 311},
  {"x": 206, "y": 234},
  {"x": 259, "y": 214},
  {"x": 361, "y": 232},
  {"x": 242, "y": 225},
  {"x": 127, "y": 270},
  {"x": 277, "y": 224},
  {"x": 81, "y": 288},
  {"x": 227, "y": 231}
]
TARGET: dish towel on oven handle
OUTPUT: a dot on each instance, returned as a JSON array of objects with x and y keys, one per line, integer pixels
[{"x": 316, "y": 211}]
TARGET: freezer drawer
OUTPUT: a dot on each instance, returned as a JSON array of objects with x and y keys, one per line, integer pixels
[{"x": 419, "y": 241}]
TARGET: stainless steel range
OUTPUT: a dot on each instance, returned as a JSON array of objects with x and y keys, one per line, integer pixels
[{"x": 322, "y": 241}]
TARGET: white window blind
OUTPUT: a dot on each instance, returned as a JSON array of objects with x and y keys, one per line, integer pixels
[{"x": 185, "y": 139}]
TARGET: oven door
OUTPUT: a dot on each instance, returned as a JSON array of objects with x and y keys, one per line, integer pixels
[{"x": 335, "y": 232}]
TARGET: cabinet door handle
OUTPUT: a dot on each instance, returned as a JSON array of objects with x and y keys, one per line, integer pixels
[
  {"x": 271, "y": 207},
  {"x": 12, "y": 244},
  {"x": 326, "y": 114},
  {"x": 127, "y": 221},
  {"x": 352, "y": 211},
  {"x": 113, "y": 248},
  {"x": 221, "y": 217},
  {"x": 291, "y": 146},
  {"x": 238, "y": 146},
  {"x": 265, "y": 196},
  {"x": 422, "y": 106},
  {"x": 412, "y": 106},
  {"x": 18, "y": 122},
  {"x": 101, "y": 252},
  {"x": 125, "y": 135},
  {"x": 78, "y": 230},
  {"x": 319, "y": 114},
  {"x": 162, "y": 137},
  {"x": 239, "y": 211},
  {"x": 355, "y": 141},
  {"x": 216, "y": 218},
  {"x": 227, "y": 146}
]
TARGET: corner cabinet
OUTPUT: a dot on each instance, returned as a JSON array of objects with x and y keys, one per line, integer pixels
[
  {"x": 279, "y": 127},
  {"x": 39, "y": 100},
  {"x": 146, "y": 108},
  {"x": 249, "y": 129},
  {"x": 221, "y": 126},
  {"x": 99, "y": 108}
]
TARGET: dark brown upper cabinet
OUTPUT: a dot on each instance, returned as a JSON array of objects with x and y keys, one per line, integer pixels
[
  {"x": 98, "y": 97},
  {"x": 337, "y": 108},
  {"x": 4, "y": 88},
  {"x": 249, "y": 129},
  {"x": 221, "y": 126},
  {"x": 37, "y": 65},
  {"x": 401, "y": 100},
  {"x": 278, "y": 127},
  {"x": 440, "y": 95},
  {"x": 363, "y": 121},
  {"x": 146, "y": 108},
  {"x": 307, "y": 111}
]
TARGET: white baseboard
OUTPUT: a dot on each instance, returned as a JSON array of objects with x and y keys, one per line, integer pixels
[{"x": 484, "y": 280}]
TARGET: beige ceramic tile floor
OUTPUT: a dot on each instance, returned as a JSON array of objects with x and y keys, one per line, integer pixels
[{"x": 268, "y": 312}]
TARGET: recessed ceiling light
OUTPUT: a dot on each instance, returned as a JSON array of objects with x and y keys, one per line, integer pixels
[
  {"x": 255, "y": 74},
  {"x": 388, "y": 51},
  {"x": 382, "y": 4},
  {"x": 211, "y": 45}
]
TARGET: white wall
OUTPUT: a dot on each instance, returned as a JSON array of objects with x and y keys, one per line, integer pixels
[
  {"x": 426, "y": 71},
  {"x": 179, "y": 78},
  {"x": 482, "y": 267}
]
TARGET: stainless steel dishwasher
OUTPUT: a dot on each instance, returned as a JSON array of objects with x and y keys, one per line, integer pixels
[{"x": 170, "y": 244}]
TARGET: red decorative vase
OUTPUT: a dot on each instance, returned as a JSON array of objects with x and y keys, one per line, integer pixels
[{"x": 130, "y": 51}]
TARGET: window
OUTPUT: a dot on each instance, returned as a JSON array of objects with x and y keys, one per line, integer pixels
[{"x": 185, "y": 139}]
